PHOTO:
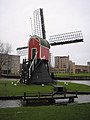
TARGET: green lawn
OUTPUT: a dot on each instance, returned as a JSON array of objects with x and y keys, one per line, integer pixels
[
  {"x": 70, "y": 112},
  {"x": 75, "y": 86},
  {"x": 70, "y": 74},
  {"x": 8, "y": 89}
]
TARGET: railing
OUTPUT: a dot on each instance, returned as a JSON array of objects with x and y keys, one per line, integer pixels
[
  {"x": 49, "y": 96},
  {"x": 32, "y": 65}
]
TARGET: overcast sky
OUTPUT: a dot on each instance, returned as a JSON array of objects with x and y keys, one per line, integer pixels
[{"x": 61, "y": 16}]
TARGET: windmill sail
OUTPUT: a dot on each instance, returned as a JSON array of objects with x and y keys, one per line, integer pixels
[
  {"x": 39, "y": 27},
  {"x": 22, "y": 51},
  {"x": 66, "y": 38},
  {"x": 39, "y": 30}
]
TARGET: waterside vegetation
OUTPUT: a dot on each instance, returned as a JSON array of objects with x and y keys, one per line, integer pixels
[
  {"x": 52, "y": 112},
  {"x": 71, "y": 74}
]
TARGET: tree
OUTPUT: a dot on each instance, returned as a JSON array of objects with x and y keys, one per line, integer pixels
[{"x": 5, "y": 49}]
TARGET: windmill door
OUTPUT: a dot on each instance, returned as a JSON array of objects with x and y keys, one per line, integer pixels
[{"x": 34, "y": 50}]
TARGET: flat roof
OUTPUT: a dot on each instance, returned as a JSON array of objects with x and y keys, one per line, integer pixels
[{"x": 57, "y": 86}]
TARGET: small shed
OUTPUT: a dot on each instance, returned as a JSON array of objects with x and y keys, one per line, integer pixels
[{"x": 58, "y": 88}]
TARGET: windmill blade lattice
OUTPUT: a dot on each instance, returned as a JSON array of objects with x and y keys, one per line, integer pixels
[
  {"x": 22, "y": 51},
  {"x": 66, "y": 38}
]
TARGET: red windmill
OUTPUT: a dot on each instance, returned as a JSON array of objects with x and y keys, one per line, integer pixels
[{"x": 36, "y": 68}]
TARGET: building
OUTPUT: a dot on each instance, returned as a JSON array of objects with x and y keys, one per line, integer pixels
[
  {"x": 81, "y": 69},
  {"x": 71, "y": 67},
  {"x": 64, "y": 65},
  {"x": 88, "y": 64},
  {"x": 10, "y": 64},
  {"x": 62, "y": 62}
]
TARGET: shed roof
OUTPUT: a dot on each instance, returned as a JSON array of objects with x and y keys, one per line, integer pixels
[
  {"x": 43, "y": 42},
  {"x": 57, "y": 86}
]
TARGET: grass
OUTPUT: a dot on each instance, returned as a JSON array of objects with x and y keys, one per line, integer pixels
[
  {"x": 51, "y": 112},
  {"x": 75, "y": 86},
  {"x": 71, "y": 74},
  {"x": 8, "y": 89},
  {"x": 70, "y": 112}
]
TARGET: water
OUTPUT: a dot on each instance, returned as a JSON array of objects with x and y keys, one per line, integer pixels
[
  {"x": 83, "y": 99},
  {"x": 80, "y": 99},
  {"x": 76, "y": 81},
  {"x": 82, "y": 82},
  {"x": 10, "y": 103},
  {"x": 19, "y": 103}
]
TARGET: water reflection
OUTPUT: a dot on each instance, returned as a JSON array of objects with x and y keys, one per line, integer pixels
[{"x": 10, "y": 103}]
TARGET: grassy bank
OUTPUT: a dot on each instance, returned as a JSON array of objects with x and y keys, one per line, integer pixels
[
  {"x": 51, "y": 112},
  {"x": 75, "y": 86},
  {"x": 70, "y": 112},
  {"x": 9, "y": 89},
  {"x": 71, "y": 74}
]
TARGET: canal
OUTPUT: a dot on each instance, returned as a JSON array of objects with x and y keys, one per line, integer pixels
[
  {"x": 76, "y": 81},
  {"x": 80, "y": 99}
]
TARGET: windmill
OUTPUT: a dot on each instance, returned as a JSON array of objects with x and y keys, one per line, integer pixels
[{"x": 35, "y": 69}]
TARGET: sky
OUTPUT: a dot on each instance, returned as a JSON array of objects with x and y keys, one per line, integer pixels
[{"x": 60, "y": 16}]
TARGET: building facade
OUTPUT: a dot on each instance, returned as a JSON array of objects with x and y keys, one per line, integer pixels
[
  {"x": 62, "y": 62},
  {"x": 64, "y": 65},
  {"x": 11, "y": 65},
  {"x": 81, "y": 69}
]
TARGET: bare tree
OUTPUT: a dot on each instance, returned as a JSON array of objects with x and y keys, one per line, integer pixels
[{"x": 5, "y": 49}]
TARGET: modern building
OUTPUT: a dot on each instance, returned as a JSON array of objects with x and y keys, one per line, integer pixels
[
  {"x": 64, "y": 65},
  {"x": 82, "y": 69},
  {"x": 71, "y": 67},
  {"x": 10, "y": 64}
]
